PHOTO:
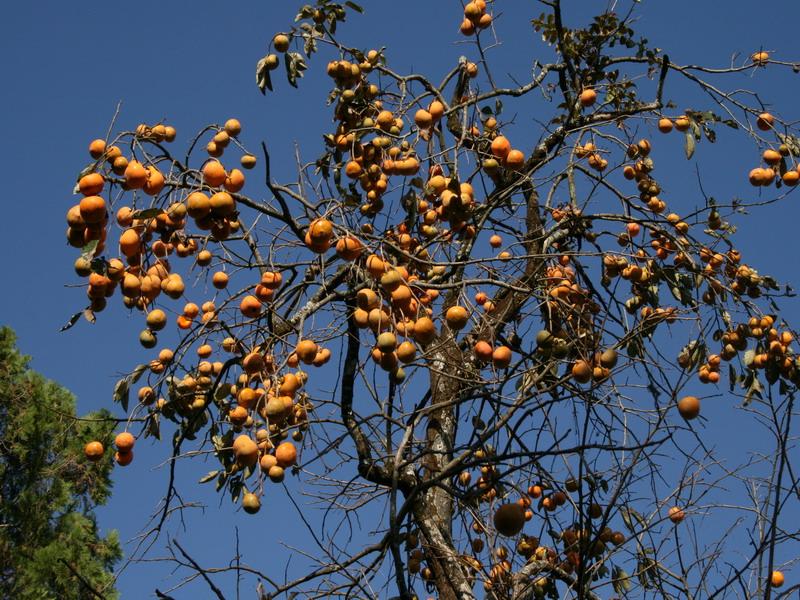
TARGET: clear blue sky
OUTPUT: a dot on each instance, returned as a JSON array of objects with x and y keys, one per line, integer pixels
[{"x": 65, "y": 67}]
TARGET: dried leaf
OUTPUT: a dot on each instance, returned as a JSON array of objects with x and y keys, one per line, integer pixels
[
  {"x": 72, "y": 320},
  {"x": 690, "y": 145}
]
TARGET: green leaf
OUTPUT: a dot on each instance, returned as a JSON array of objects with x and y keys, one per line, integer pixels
[
  {"x": 148, "y": 213},
  {"x": 88, "y": 250},
  {"x": 354, "y": 6},
  {"x": 222, "y": 391}
]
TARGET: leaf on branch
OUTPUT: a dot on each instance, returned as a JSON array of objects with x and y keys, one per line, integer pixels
[
  {"x": 88, "y": 250},
  {"x": 629, "y": 515},
  {"x": 149, "y": 213},
  {"x": 153, "y": 428},
  {"x": 72, "y": 320},
  {"x": 263, "y": 79},
  {"x": 753, "y": 386},
  {"x": 209, "y": 476},
  {"x": 690, "y": 145},
  {"x": 749, "y": 357},
  {"x": 791, "y": 142},
  {"x": 295, "y": 65},
  {"x": 123, "y": 386},
  {"x": 354, "y": 6},
  {"x": 620, "y": 580}
]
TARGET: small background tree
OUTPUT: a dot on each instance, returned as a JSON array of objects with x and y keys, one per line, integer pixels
[{"x": 50, "y": 544}]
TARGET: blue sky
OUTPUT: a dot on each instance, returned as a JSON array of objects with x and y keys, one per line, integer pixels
[{"x": 67, "y": 65}]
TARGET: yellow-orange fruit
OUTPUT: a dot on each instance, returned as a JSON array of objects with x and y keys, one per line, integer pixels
[
  {"x": 214, "y": 173},
  {"x": 286, "y": 454},
  {"x": 306, "y": 351},
  {"x": 124, "y": 442},
  {"x": 689, "y": 407}
]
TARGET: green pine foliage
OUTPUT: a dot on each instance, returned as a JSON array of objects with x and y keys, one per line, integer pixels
[{"x": 50, "y": 545}]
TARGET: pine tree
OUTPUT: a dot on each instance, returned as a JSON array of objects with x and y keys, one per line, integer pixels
[{"x": 50, "y": 545}]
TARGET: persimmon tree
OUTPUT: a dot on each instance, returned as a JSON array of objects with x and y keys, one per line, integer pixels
[{"x": 523, "y": 325}]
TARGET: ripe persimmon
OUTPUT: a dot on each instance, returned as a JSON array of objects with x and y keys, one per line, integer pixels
[
  {"x": 765, "y": 121},
  {"x": 251, "y": 503},
  {"x": 222, "y": 204},
  {"x": 306, "y": 351},
  {"x": 423, "y": 119},
  {"x": 424, "y": 330},
  {"x": 220, "y": 280},
  {"x": 91, "y": 184},
  {"x": 483, "y": 351},
  {"x": 280, "y": 42},
  {"x": 676, "y": 514},
  {"x": 92, "y": 209},
  {"x": 436, "y": 110},
  {"x": 234, "y": 182},
  {"x": 250, "y": 306},
  {"x": 271, "y": 279},
  {"x": 214, "y": 174},
  {"x": 155, "y": 182},
  {"x": 515, "y": 159},
  {"x": 689, "y": 407},
  {"x": 123, "y": 459},
  {"x": 406, "y": 352},
  {"x": 124, "y": 442},
  {"x": 588, "y": 97},
  {"x": 286, "y": 454},
  {"x": 245, "y": 449},
  {"x": 232, "y": 127},
  {"x": 156, "y": 319},
  {"x": 93, "y": 450},
  {"x": 97, "y": 148},
  {"x": 456, "y": 317},
  {"x": 777, "y": 579},
  {"x": 581, "y": 371},
  {"x": 500, "y": 147},
  {"x": 349, "y": 248},
  {"x": 135, "y": 175},
  {"x": 501, "y": 357}
]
